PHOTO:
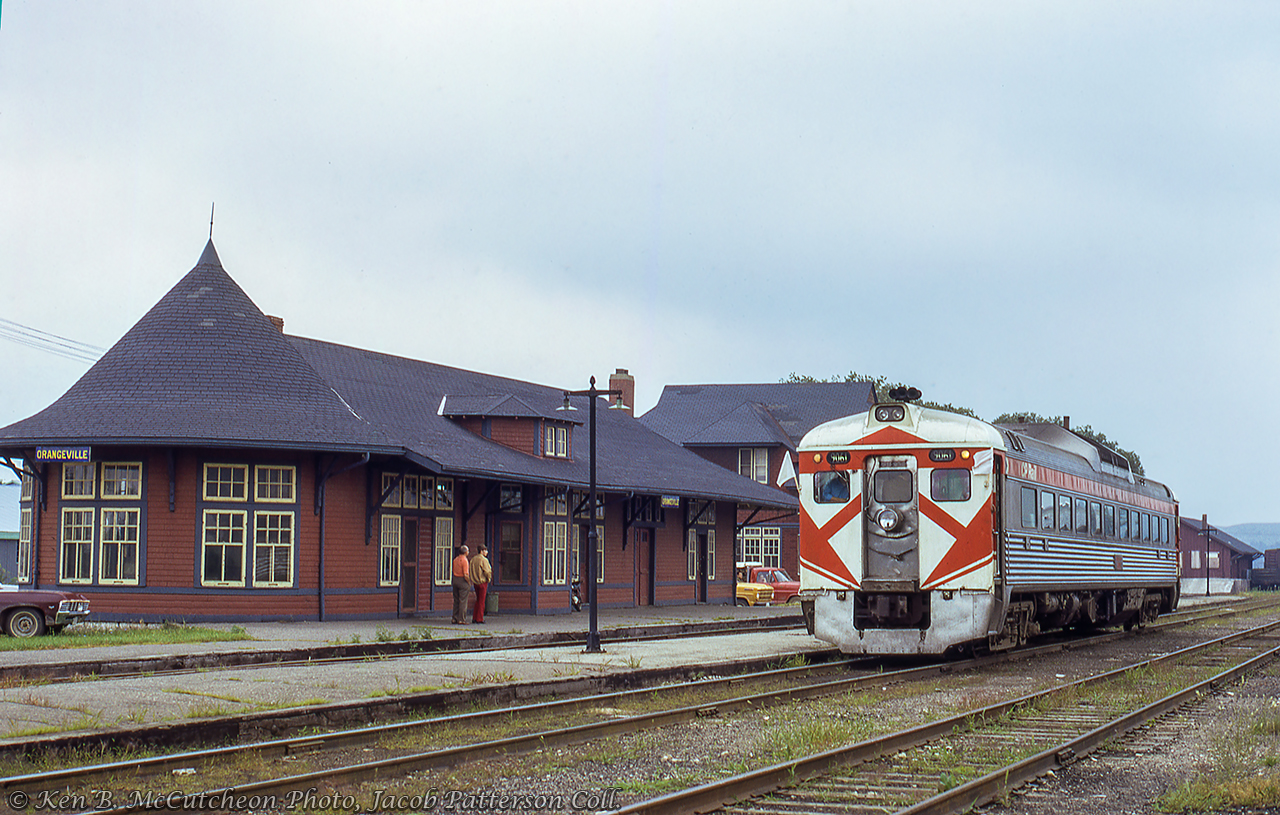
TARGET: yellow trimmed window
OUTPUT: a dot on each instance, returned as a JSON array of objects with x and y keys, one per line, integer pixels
[
  {"x": 273, "y": 549},
  {"x": 275, "y": 484},
  {"x": 222, "y": 550},
  {"x": 119, "y": 546}
]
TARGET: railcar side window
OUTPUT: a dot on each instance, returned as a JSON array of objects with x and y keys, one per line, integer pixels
[
  {"x": 950, "y": 485},
  {"x": 893, "y": 487},
  {"x": 1146, "y": 527},
  {"x": 831, "y": 487},
  {"x": 1064, "y": 513},
  {"x": 1123, "y": 531},
  {"x": 1095, "y": 517},
  {"x": 1028, "y": 508},
  {"x": 1048, "y": 506},
  {"x": 1082, "y": 516},
  {"x": 1164, "y": 530},
  {"x": 1109, "y": 520}
]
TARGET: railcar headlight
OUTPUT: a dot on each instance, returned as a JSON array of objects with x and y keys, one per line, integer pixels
[{"x": 887, "y": 519}]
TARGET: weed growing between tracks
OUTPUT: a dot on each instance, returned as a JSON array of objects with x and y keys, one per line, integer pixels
[
  {"x": 1242, "y": 767},
  {"x": 95, "y": 635}
]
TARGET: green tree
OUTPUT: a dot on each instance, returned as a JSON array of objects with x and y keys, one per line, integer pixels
[
  {"x": 881, "y": 386},
  {"x": 1135, "y": 463}
]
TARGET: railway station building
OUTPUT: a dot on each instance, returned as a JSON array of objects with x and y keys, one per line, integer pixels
[
  {"x": 211, "y": 467},
  {"x": 754, "y": 430},
  {"x": 1213, "y": 563}
]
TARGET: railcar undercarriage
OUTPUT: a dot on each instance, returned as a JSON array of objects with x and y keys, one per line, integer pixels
[{"x": 934, "y": 622}]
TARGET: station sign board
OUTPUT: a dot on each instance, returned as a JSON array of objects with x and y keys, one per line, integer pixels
[{"x": 64, "y": 454}]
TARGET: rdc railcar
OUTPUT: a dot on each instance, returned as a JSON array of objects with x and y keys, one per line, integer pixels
[{"x": 923, "y": 531}]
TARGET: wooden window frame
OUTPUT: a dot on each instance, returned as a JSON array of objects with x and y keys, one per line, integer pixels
[
  {"x": 409, "y": 492},
  {"x": 442, "y": 541},
  {"x": 81, "y": 546},
  {"x": 274, "y": 546},
  {"x": 24, "y": 545},
  {"x": 243, "y": 469},
  {"x": 242, "y": 516},
  {"x": 757, "y": 463},
  {"x": 91, "y": 480},
  {"x": 444, "y": 494},
  {"x": 393, "y": 500},
  {"x": 392, "y": 530},
  {"x": 121, "y": 547},
  {"x": 121, "y": 466},
  {"x": 259, "y": 470},
  {"x": 555, "y": 552}
]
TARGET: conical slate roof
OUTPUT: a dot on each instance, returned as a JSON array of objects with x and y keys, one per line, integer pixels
[{"x": 203, "y": 365}]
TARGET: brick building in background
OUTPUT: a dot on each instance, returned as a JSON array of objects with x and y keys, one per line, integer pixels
[
  {"x": 754, "y": 430},
  {"x": 211, "y": 467}
]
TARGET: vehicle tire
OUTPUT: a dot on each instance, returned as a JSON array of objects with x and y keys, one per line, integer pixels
[
  {"x": 24, "y": 622},
  {"x": 741, "y": 601}
]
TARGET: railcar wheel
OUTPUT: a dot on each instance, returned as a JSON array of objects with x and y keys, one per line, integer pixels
[{"x": 24, "y": 623}]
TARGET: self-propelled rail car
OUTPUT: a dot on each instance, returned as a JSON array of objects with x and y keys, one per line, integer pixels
[{"x": 923, "y": 531}]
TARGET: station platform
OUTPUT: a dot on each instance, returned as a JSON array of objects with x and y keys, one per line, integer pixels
[{"x": 509, "y": 653}]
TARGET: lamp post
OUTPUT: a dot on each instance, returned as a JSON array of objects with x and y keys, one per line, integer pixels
[
  {"x": 589, "y": 544},
  {"x": 1207, "y": 531}
]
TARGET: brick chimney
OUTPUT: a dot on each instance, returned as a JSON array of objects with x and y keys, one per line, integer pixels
[
  {"x": 625, "y": 382},
  {"x": 278, "y": 322}
]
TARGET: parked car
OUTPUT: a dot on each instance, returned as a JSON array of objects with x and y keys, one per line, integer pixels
[
  {"x": 32, "y": 612},
  {"x": 785, "y": 589}
]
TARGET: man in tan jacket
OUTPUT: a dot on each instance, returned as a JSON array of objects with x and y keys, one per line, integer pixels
[{"x": 481, "y": 574}]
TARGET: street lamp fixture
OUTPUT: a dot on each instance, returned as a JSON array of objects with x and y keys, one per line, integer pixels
[{"x": 587, "y": 550}]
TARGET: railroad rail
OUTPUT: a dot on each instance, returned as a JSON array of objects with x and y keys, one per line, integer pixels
[
  {"x": 895, "y": 773},
  {"x": 789, "y": 686},
  {"x": 178, "y": 664}
]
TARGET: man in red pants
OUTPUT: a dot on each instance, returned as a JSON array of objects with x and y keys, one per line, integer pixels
[{"x": 481, "y": 573}]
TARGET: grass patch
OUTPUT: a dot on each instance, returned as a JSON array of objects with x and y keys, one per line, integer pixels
[
  {"x": 1242, "y": 770},
  {"x": 790, "y": 741},
  {"x": 97, "y": 635}
]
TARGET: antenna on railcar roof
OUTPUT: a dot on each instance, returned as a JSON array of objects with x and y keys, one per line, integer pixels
[{"x": 904, "y": 394}]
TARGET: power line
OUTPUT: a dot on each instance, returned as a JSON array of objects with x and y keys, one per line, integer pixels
[{"x": 49, "y": 343}]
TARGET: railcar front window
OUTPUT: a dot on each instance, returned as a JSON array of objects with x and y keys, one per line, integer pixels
[
  {"x": 950, "y": 485},
  {"x": 1028, "y": 508},
  {"x": 831, "y": 487},
  {"x": 893, "y": 487}
]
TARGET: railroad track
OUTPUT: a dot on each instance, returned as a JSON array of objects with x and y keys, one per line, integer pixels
[
  {"x": 787, "y": 685},
  {"x": 180, "y": 664},
  {"x": 953, "y": 764}
]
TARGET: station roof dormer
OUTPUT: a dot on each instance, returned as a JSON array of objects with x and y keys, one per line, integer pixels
[{"x": 501, "y": 406}]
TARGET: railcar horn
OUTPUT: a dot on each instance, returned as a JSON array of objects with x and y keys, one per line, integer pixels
[{"x": 904, "y": 394}]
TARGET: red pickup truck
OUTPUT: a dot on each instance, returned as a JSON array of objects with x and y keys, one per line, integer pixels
[{"x": 784, "y": 588}]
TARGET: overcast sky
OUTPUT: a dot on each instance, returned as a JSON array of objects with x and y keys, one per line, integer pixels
[{"x": 1070, "y": 208}]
